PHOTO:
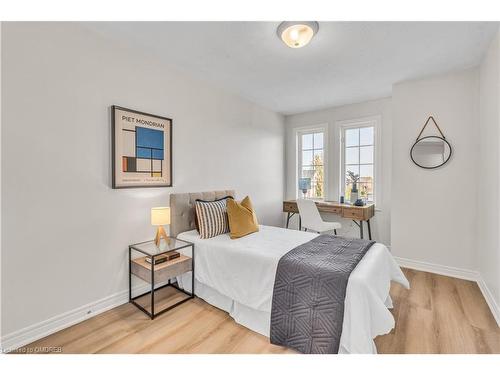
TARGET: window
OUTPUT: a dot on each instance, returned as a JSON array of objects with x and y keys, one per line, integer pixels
[
  {"x": 311, "y": 163},
  {"x": 358, "y": 145}
]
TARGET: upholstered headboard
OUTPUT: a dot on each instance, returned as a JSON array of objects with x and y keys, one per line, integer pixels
[{"x": 182, "y": 208}]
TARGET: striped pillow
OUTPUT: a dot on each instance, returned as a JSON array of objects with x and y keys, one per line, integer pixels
[{"x": 212, "y": 217}]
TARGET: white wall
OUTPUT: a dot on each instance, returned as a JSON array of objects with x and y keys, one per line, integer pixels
[
  {"x": 1, "y": 300},
  {"x": 381, "y": 107},
  {"x": 65, "y": 230},
  {"x": 433, "y": 217},
  {"x": 488, "y": 225}
]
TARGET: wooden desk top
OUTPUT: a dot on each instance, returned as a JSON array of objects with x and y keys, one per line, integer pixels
[
  {"x": 332, "y": 203},
  {"x": 343, "y": 209}
]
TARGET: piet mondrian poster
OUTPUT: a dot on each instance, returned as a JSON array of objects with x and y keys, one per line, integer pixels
[{"x": 142, "y": 149}]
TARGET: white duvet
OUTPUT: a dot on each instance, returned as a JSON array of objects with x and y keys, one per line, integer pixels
[{"x": 244, "y": 270}]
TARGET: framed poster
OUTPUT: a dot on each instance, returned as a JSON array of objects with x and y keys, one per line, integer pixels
[{"x": 141, "y": 149}]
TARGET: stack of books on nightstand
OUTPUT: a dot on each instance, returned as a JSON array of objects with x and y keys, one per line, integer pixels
[{"x": 164, "y": 257}]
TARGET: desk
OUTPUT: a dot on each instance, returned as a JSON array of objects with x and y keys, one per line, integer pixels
[{"x": 348, "y": 211}]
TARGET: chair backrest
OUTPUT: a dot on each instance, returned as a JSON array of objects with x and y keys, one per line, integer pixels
[{"x": 309, "y": 214}]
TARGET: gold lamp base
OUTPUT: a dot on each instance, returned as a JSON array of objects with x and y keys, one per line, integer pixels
[{"x": 160, "y": 233}]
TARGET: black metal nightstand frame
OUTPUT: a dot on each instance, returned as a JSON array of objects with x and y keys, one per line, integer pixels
[{"x": 132, "y": 300}]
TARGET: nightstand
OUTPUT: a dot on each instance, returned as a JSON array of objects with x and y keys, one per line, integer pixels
[{"x": 160, "y": 273}]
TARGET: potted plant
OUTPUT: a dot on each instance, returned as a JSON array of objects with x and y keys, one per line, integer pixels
[{"x": 353, "y": 178}]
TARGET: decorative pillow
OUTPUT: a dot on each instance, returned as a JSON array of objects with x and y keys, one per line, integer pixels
[
  {"x": 211, "y": 217},
  {"x": 242, "y": 219}
]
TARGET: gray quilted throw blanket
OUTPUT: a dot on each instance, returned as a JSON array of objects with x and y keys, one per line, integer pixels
[{"x": 309, "y": 291}]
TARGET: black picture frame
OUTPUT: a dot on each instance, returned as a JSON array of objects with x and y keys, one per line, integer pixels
[{"x": 114, "y": 128}]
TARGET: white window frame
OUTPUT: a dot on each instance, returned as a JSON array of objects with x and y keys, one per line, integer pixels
[
  {"x": 298, "y": 152},
  {"x": 364, "y": 122}
]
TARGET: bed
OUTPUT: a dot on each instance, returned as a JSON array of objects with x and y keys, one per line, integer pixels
[{"x": 238, "y": 275}]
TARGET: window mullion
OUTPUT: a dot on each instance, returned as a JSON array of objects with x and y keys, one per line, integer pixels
[{"x": 359, "y": 154}]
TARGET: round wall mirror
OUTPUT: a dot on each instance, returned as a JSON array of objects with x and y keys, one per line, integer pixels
[{"x": 430, "y": 152}]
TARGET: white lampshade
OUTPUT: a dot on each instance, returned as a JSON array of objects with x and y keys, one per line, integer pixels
[
  {"x": 160, "y": 215},
  {"x": 296, "y": 34}
]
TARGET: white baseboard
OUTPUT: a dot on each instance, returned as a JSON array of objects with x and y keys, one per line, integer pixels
[
  {"x": 439, "y": 269},
  {"x": 458, "y": 273},
  {"x": 37, "y": 331},
  {"x": 490, "y": 300}
]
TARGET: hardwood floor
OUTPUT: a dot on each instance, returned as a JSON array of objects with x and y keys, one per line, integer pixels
[
  {"x": 437, "y": 315},
  {"x": 440, "y": 314}
]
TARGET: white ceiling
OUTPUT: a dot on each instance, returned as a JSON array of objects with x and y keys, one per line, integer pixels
[{"x": 346, "y": 62}]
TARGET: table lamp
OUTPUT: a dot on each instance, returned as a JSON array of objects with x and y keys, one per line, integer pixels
[
  {"x": 304, "y": 185},
  {"x": 160, "y": 216}
]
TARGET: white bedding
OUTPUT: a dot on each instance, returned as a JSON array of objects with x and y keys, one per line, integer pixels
[{"x": 238, "y": 276}]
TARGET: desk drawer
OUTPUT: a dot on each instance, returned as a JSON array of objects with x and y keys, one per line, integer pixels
[
  {"x": 330, "y": 209},
  {"x": 353, "y": 213}
]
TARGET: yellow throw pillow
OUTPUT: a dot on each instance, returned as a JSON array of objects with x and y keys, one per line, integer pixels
[{"x": 242, "y": 219}]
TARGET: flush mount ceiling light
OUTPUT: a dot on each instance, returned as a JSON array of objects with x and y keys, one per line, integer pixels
[{"x": 296, "y": 34}]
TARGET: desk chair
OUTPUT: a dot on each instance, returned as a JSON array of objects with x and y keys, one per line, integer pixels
[{"x": 311, "y": 219}]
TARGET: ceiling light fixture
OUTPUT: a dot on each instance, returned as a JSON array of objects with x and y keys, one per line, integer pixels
[{"x": 296, "y": 34}]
